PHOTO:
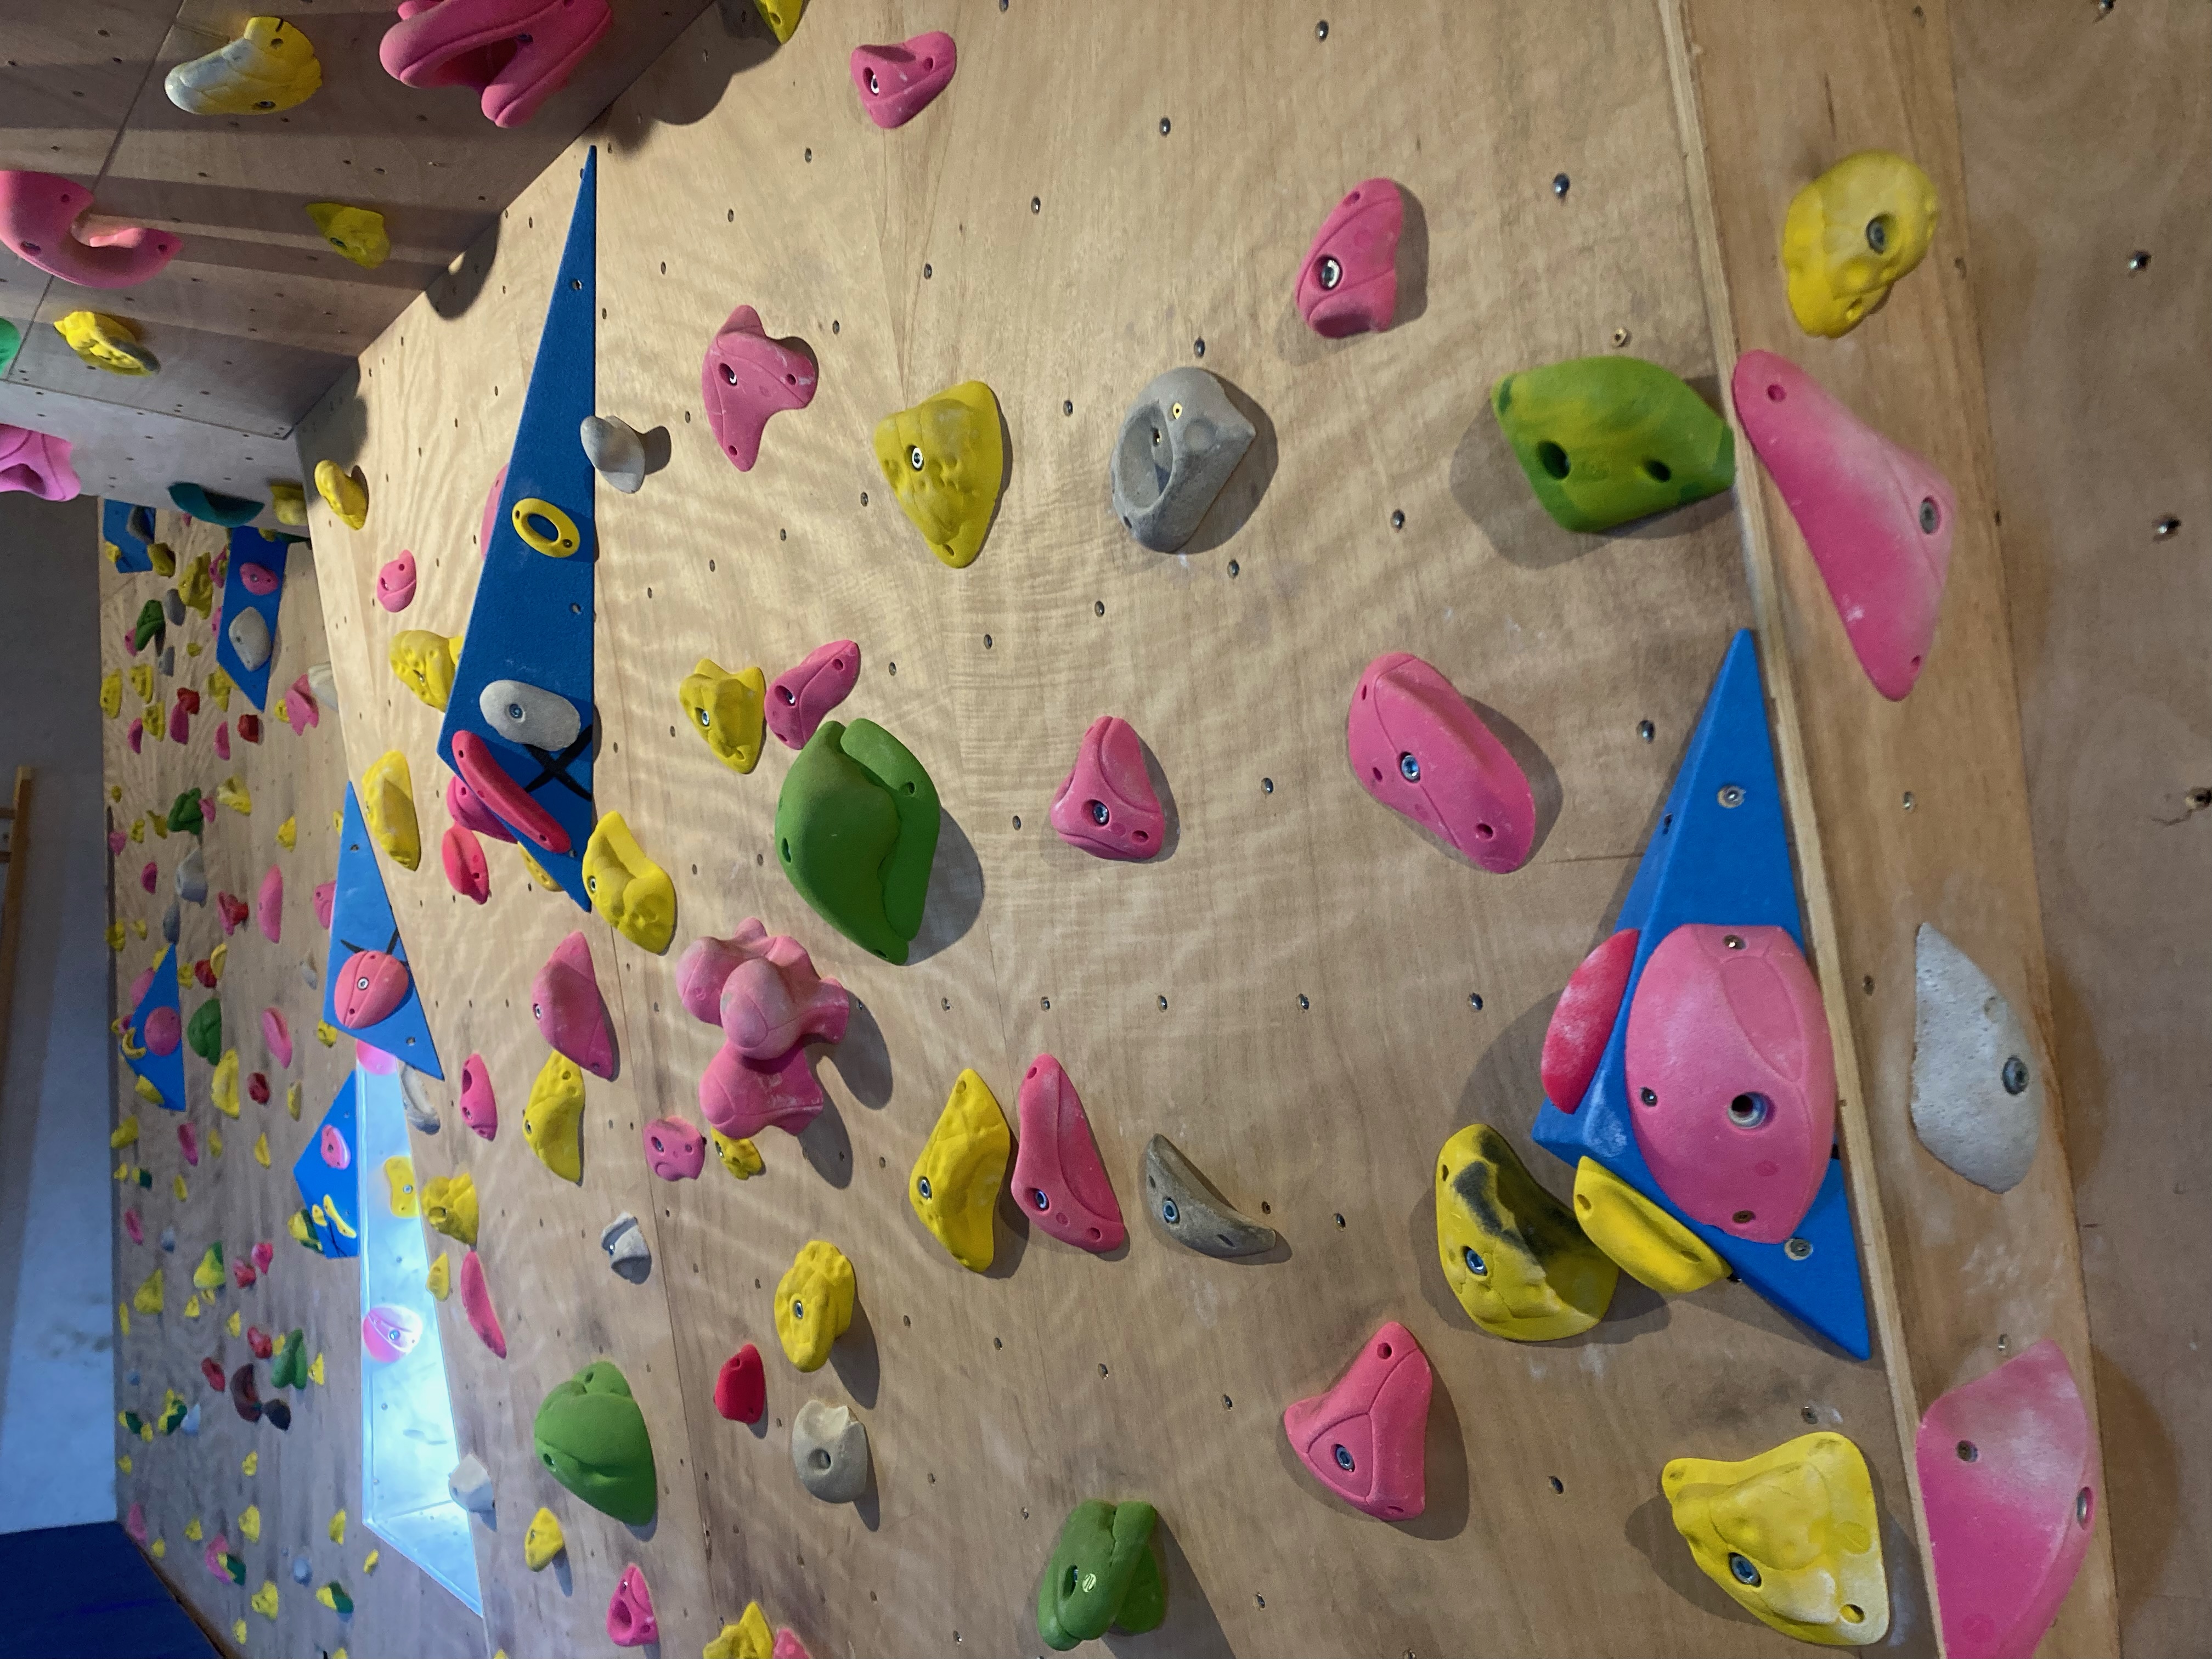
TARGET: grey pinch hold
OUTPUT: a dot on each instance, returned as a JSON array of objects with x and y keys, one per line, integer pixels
[
  {"x": 324, "y": 685},
  {"x": 1180, "y": 441},
  {"x": 1185, "y": 1203},
  {"x": 191, "y": 876},
  {"x": 249, "y": 637},
  {"x": 1977, "y": 1079},
  {"x": 168, "y": 662},
  {"x": 172, "y": 607},
  {"x": 140, "y": 524},
  {"x": 830, "y": 1450},
  {"x": 527, "y": 713},
  {"x": 470, "y": 1483},
  {"x": 171, "y": 921},
  {"x": 620, "y": 454},
  {"x": 422, "y": 1115},
  {"x": 628, "y": 1253}
]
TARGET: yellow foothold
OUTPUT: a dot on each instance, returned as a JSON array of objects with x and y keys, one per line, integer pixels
[
  {"x": 439, "y": 1281},
  {"x": 558, "y": 540},
  {"x": 249, "y": 1466},
  {"x": 337, "y": 818},
  {"x": 316, "y": 1374},
  {"x": 217, "y": 960},
  {"x": 814, "y": 1304},
  {"x": 270, "y": 67},
  {"x": 781, "y": 16},
  {"x": 192, "y": 647},
  {"x": 449, "y": 1204},
  {"x": 263, "y": 1601},
  {"x": 162, "y": 557},
  {"x": 233, "y": 793},
  {"x": 192, "y": 1525},
  {"x": 224, "y": 1088},
  {"x": 725, "y": 709},
  {"x": 184, "y": 973},
  {"x": 543, "y": 1540},
  {"x": 124, "y": 1462},
  {"x": 111, "y": 693},
  {"x": 288, "y": 502},
  {"x": 107, "y": 343},
  {"x": 196, "y": 587},
  {"x": 955, "y": 1184},
  {"x": 748, "y": 1638},
  {"x": 123, "y": 1319},
  {"x": 629, "y": 890},
  {"x": 150, "y": 1298},
  {"x": 399, "y": 1178},
  {"x": 424, "y": 661},
  {"x": 1851, "y": 234},
  {"x": 214, "y": 1141},
  {"x": 218, "y": 687},
  {"x": 111, "y": 552},
  {"x": 287, "y": 834},
  {"x": 1649, "y": 1245},
  {"x": 159, "y": 1549},
  {"x": 138, "y": 926},
  {"x": 1512, "y": 1253},
  {"x": 238, "y": 1632},
  {"x": 534, "y": 870},
  {"x": 208, "y": 1275},
  {"x": 368, "y": 1562},
  {"x": 292, "y": 1100},
  {"x": 944, "y": 460},
  {"x": 156, "y": 723},
  {"x": 138, "y": 830},
  {"x": 388, "y": 803},
  {"x": 193, "y": 1305},
  {"x": 346, "y": 494},
  {"x": 115, "y": 932},
  {"x": 355, "y": 232},
  {"x": 327, "y": 1034},
  {"x": 231, "y": 1324},
  {"x": 124, "y": 1133},
  {"x": 1793, "y": 1534},
  {"x": 553, "y": 1117},
  {"x": 740, "y": 1158},
  {"x": 178, "y": 1189},
  {"x": 142, "y": 680},
  {"x": 249, "y": 1524}
]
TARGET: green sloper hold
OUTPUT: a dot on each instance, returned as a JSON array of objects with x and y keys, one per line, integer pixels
[
  {"x": 856, "y": 828},
  {"x": 1606, "y": 440},
  {"x": 1103, "y": 1573},
  {"x": 11, "y": 342},
  {"x": 186, "y": 813},
  {"x": 152, "y": 625},
  {"x": 288, "y": 1365},
  {"x": 203, "y": 1031},
  {"x": 591, "y": 1437}
]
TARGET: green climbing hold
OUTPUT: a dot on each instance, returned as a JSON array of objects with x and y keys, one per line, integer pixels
[
  {"x": 333, "y": 1596},
  {"x": 186, "y": 813},
  {"x": 204, "y": 1031},
  {"x": 132, "y": 1421},
  {"x": 856, "y": 829},
  {"x": 288, "y": 1365},
  {"x": 1103, "y": 1573},
  {"x": 152, "y": 625},
  {"x": 1608, "y": 439},
  {"x": 590, "y": 1437},
  {"x": 11, "y": 342}
]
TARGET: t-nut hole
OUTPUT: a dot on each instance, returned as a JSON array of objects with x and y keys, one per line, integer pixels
[
  {"x": 1552, "y": 459},
  {"x": 1745, "y": 1218},
  {"x": 729, "y": 375},
  {"x": 1774, "y": 392},
  {"x": 1382, "y": 1350},
  {"x": 1931, "y": 516},
  {"x": 2085, "y": 1507},
  {"x": 1658, "y": 471},
  {"x": 1749, "y": 1111},
  {"x": 1484, "y": 832},
  {"x": 819, "y": 1458},
  {"x": 1853, "y": 1614},
  {"x": 1969, "y": 1452}
]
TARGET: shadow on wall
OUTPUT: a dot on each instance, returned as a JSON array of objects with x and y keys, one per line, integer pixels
[{"x": 684, "y": 87}]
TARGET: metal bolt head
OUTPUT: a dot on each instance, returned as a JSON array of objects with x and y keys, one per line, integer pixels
[
  {"x": 1731, "y": 794},
  {"x": 1797, "y": 1248},
  {"x": 2015, "y": 1075}
]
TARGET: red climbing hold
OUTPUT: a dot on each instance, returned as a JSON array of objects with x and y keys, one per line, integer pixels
[
  {"x": 278, "y": 1035},
  {"x": 475, "y": 1302},
  {"x": 39, "y": 216},
  {"x": 268, "y": 905},
  {"x": 469, "y": 813},
  {"x": 896, "y": 83},
  {"x": 479, "y": 1108},
  {"x": 480, "y": 769},
  {"x": 1583, "y": 1019},
  {"x": 245, "y": 1396},
  {"x": 565, "y": 1001},
  {"x": 466, "y": 872},
  {"x": 212, "y": 1370},
  {"x": 243, "y": 1274},
  {"x": 631, "y": 1623},
  {"x": 1417, "y": 747},
  {"x": 747, "y": 378},
  {"x": 1349, "y": 281},
  {"x": 326, "y": 893},
  {"x": 1106, "y": 806},
  {"x": 265, "y": 1254},
  {"x": 1060, "y": 1180},
  {"x": 257, "y": 1088},
  {"x": 741, "y": 1386},
  {"x": 395, "y": 582},
  {"x": 1366, "y": 1438},
  {"x": 234, "y": 911},
  {"x": 516, "y": 53},
  {"x": 260, "y": 1342},
  {"x": 249, "y": 728},
  {"x": 674, "y": 1150},
  {"x": 799, "y": 698},
  {"x": 188, "y": 701},
  {"x": 133, "y": 1226},
  {"x": 203, "y": 972}
]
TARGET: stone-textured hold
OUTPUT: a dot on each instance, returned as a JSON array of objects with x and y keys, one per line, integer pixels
[
  {"x": 39, "y": 216},
  {"x": 856, "y": 830},
  {"x": 814, "y": 1304},
  {"x": 1731, "y": 1077},
  {"x": 1106, "y": 805},
  {"x": 515, "y": 53},
  {"x": 830, "y": 1450},
  {"x": 449, "y": 1204},
  {"x": 387, "y": 805},
  {"x": 357, "y": 233},
  {"x": 896, "y": 83},
  {"x": 728, "y": 710},
  {"x": 741, "y": 1386},
  {"x": 400, "y": 1184},
  {"x": 674, "y": 1150},
  {"x": 1060, "y": 1180},
  {"x": 1416, "y": 746},
  {"x": 345, "y": 494},
  {"x": 271, "y": 66},
  {"x": 748, "y": 377},
  {"x": 1349, "y": 281},
  {"x": 268, "y": 905},
  {"x": 469, "y": 1485},
  {"x": 1792, "y": 1535},
  {"x": 1103, "y": 1576},
  {"x": 798, "y": 698},
  {"x": 108, "y": 343},
  {"x": 1582, "y": 1020},
  {"x": 628, "y": 1253},
  {"x": 395, "y": 582},
  {"x": 1514, "y": 1256},
  {"x": 631, "y": 1621},
  {"x": 1366, "y": 1438},
  {"x": 423, "y": 660},
  {"x": 248, "y": 632},
  {"x": 571, "y": 1016},
  {"x": 945, "y": 461},
  {"x": 1851, "y": 234},
  {"x": 476, "y": 1302},
  {"x": 1606, "y": 441},
  {"x": 1876, "y": 518},
  {"x": 621, "y": 454},
  {"x": 553, "y": 1117},
  {"x": 1978, "y": 1095},
  {"x": 542, "y": 1541},
  {"x": 173, "y": 608},
  {"x": 590, "y": 1437},
  {"x": 530, "y": 714},
  {"x": 1180, "y": 442},
  {"x": 479, "y": 1106},
  {"x": 463, "y": 859},
  {"x": 954, "y": 1187},
  {"x": 634, "y": 894},
  {"x": 1643, "y": 1240}
]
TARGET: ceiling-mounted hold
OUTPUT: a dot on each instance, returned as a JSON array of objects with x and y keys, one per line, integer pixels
[
  {"x": 1851, "y": 234},
  {"x": 271, "y": 66},
  {"x": 356, "y": 231},
  {"x": 517, "y": 53},
  {"x": 1977, "y": 1094},
  {"x": 212, "y": 506},
  {"x": 37, "y": 463},
  {"x": 39, "y": 214},
  {"x": 108, "y": 343}
]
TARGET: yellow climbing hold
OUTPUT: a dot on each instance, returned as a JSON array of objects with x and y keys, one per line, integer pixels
[
  {"x": 214, "y": 1141},
  {"x": 124, "y": 1133},
  {"x": 138, "y": 830},
  {"x": 748, "y": 1638},
  {"x": 270, "y": 67},
  {"x": 449, "y": 1204},
  {"x": 238, "y": 1632},
  {"x": 249, "y": 1523},
  {"x": 218, "y": 687},
  {"x": 192, "y": 1525},
  {"x": 368, "y": 1562},
  {"x": 124, "y": 1462},
  {"x": 115, "y": 943},
  {"x": 399, "y": 1180},
  {"x": 162, "y": 557},
  {"x": 629, "y": 890},
  {"x": 193, "y": 1305},
  {"x": 814, "y": 1304},
  {"x": 208, "y": 1275},
  {"x": 144, "y": 1088},
  {"x": 192, "y": 647},
  {"x": 740, "y": 1158},
  {"x": 184, "y": 973},
  {"x": 316, "y": 1373},
  {"x": 157, "y": 725},
  {"x": 327, "y": 1034},
  {"x": 222, "y": 1089},
  {"x": 387, "y": 802},
  {"x": 553, "y": 1117},
  {"x": 439, "y": 1281},
  {"x": 357, "y": 233},
  {"x": 111, "y": 552},
  {"x": 123, "y": 1319},
  {"x": 196, "y": 587},
  {"x": 543, "y": 1540},
  {"x": 142, "y": 680},
  {"x": 111, "y": 693},
  {"x": 233, "y": 793},
  {"x": 954, "y": 1187},
  {"x": 535, "y": 870},
  {"x": 177, "y": 1186},
  {"x": 1650, "y": 1246},
  {"x": 337, "y": 818},
  {"x": 249, "y": 1466},
  {"x": 1512, "y": 1253},
  {"x": 159, "y": 1549},
  {"x": 292, "y": 1100},
  {"x": 288, "y": 502},
  {"x": 726, "y": 710},
  {"x": 1793, "y": 1534},
  {"x": 346, "y": 494},
  {"x": 781, "y": 16},
  {"x": 231, "y": 1324},
  {"x": 217, "y": 960},
  {"x": 287, "y": 834},
  {"x": 559, "y": 540},
  {"x": 424, "y": 661},
  {"x": 108, "y": 343},
  {"x": 945, "y": 461},
  {"x": 1851, "y": 234},
  {"x": 263, "y": 1601}
]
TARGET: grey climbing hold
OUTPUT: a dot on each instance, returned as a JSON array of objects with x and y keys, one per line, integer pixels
[
  {"x": 172, "y": 607},
  {"x": 191, "y": 876},
  {"x": 1185, "y": 1203},
  {"x": 310, "y": 973},
  {"x": 132, "y": 1377},
  {"x": 249, "y": 637},
  {"x": 627, "y": 1251},
  {"x": 830, "y": 1450},
  {"x": 171, "y": 921},
  {"x": 324, "y": 685},
  {"x": 169, "y": 1239},
  {"x": 525, "y": 714},
  {"x": 140, "y": 524},
  {"x": 621, "y": 454},
  {"x": 303, "y": 1571},
  {"x": 1180, "y": 441},
  {"x": 190, "y": 1422},
  {"x": 415, "y": 1101},
  {"x": 1976, "y": 1080},
  {"x": 470, "y": 1483},
  {"x": 168, "y": 662}
]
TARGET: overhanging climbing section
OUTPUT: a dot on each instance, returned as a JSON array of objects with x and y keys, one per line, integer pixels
[{"x": 369, "y": 991}]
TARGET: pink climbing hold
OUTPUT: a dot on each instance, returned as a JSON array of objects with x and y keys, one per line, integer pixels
[
  {"x": 1060, "y": 1180},
  {"x": 466, "y": 872},
  {"x": 132, "y": 1225},
  {"x": 165, "y": 1029},
  {"x": 218, "y": 1546},
  {"x": 1106, "y": 806},
  {"x": 565, "y": 1001},
  {"x": 476, "y": 1302},
  {"x": 788, "y": 1646},
  {"x": 674, "y": 1150},
  {"x": 1417, "y": 747},
  {"x": 268, "y": 905},
  {"x": 134, "y": 1523},
  {"x": 150, "y": 877},
  {"x": 741, "y": 1386},
  {"x": 1583, "y": 1019},
  {"x": 481, "y": 770},
  {"x": 264, "y": 1255},
  {"x": 39, "y": 216},
  {"x": 277, "y": 1035},
  {"x": 180, "y": 726},
  {"x": 135, "y": 736},
  {"x": 258, "y": 579},
  {"x": 479, "y": 1107},
  {"x": 1876, "y": 517},
  {"x": 896, "y": 83},
  {"x": 222, "y": 740},
  {"x": 1731, "y": 1078},
  {"x": 188, "y": 1138},
  {"x": 301, "y": 709},
  {"x": 490, "y": 513},
  {"x": 741, "y": 1097},
  {"x": 390, "y": 1333},
  {"x": 117, "y": 840},
  {"x": 1366, "y": 1439},
  {"x": 2009, "y": 1478},
  {"x": 631, "y": 1623},
  {"x": 370, "y": 986},
  {"x": 1349, "y": 281},
  {"x": 469, "y": 813},
  {"x": 336, "y": 1152},
  {"x": 373, "y": 1059},
  {"x": 234, "y": 911},
  {"x": 747, "y": 378},
  {"x": 763, "y": 990},
  {"x": 325, "y": 897},
  {"x": 395, "y": 582},
  {"x": 799, "y": 698},
  {"x": 516, "y": 53},
  {"x": 257, "y": 1088}
]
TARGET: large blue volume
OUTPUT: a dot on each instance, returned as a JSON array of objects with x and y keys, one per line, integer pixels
[
  {"x": 332, "y": 1192},
  {"x": 1720, "y": 855},
  {"x": 249, "y": 546},
  {"x": 165, "y": 1071},
  {"x": 363, "y": 925}
]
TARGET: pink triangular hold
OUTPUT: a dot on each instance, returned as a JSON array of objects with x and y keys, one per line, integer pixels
[
  {"x": 466, "y": 872},
  {"x": 1876, "y": 517},
  {"x": 799, "y": 698},
  {"x": 896, "y": 83},
  {"x": 1417, "y": 747},
  {"x": 134, "y": 1227},
  {"x": 565, "y": 1000},
  {"x": 1583, "y": 1019},
  {"x": 476, "y": 1302},
  {"x": 479, "y": 1107},
  {"x": 1106, "y": 806},
  {"x": 788, "y": 1646},
  {"x": 1367, "y": 1438},
  {"x": 268, "y": 905},
  {"x": 631, "y": 1623},
  {"x": 278, "y": 1035},
  {"x": 1060, "y": 1180},
  {"x": 326, "y": 893},
  {"x": 1349, "y": 281},
  {"x": 264, "y": 1255},
  {"x": 135, "y": 1524},
  {"x": 188, "y": 1139},
  {"x": 747, "y": 378},
  {"x": 222, "y": 740},
  {"x": 116, "y": 841}
]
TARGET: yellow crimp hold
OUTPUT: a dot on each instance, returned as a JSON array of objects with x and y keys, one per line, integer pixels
[
  {"x": 388, "y": 803},
  {"x": 368, "y": 1564},
  {"x": 238, "y": 1632},
  {"x": 553, "y": 1117},
  {"x": 217, "y": 960},
  {"x": 1851, "y": 234},
  {"x": 1513, "y": 1255},
  {"x": 1792, "y": 1534},
  {"x": 345, "y": 492},
  {"x": 945, "y": 461},
  {"x": 184, "y": 973},
  {"x": 954, "y": 1185},
  {"x": 157, "y": 725},
  {"x": 138, "y": 830},
  {"x": 249, "y": 1523},
  {"x": 111, "y": 693},
  {"x": 233, "y": 793},
  {"x": 215, "y": 1141},
  {"x": 178, "y": 1187},
  {"x": 781, "y": 16},
  {"x": 449, "y": 1204},
  {"x": 107, "y": 343},
  {"x": 193, "y": 1305},
  {"x": 138, "y": 926},
  {"x": 192, "y": 1525},
  {"x": 535, "y": 870},
  {"x": 263, "y": 1601},
  {"x": 292, "y": 1100},
  {"x": 288, "y": 501},
  {"x": 633, "y": 893},
  {"x": 1650, "y": 1246},
  {"x": 357, "y": 233},
  {"x": 270, "y": 67},
  {"x": 123, "y": 1318},
  {"x": 316, "y": 1373},
  {"x": 127, "y": 1044},
  {"x": 814, "y": 1304},
  {"x": 124, "y": 1462},
  {"x": 740, "y": 1158},
  {"x": 218, "y": 687},
  {"x": 327, "y": 1596},
  {"x": 144, "y": 1088},
  {"x": 439, "y": 1281},
  {"x": 231, "y": 1324},
  {"x": 248, "y": 1466},
  {"x": 399, "y": 1183},
  {"x": 159, "y": 1549},
  {"x": 728, "y": 710},
  {"x": 543, "y": 1540},
  {"x": 142, "y": 680},
  {"x": 111, "y": 552},
  {"x": 337, "y": 818},
  {"x": 223, "y": 1089},
  {"x": 162, "y": 557},
  {"x": 124, "y": 1133},
  {"x": 261, "y": 1149},
  {"x": 115, "y": 937},
  {"x": 287, "y": 834},
  {"x": 196, "y": 587},
  {"x": 424, "y": 661},
  {"x": 748, "y": 1638},
  {"x": 192, "y": 647},
  {"x": 327, "y": 1034}
]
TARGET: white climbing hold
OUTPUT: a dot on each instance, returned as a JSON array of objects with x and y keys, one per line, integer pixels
[
  {"x": 249, "y": 637},
  {"x": 470, "y": 1483},
  {"x": 620, "y": 454},
  {"x": 627, "y": 1251},
  {"x": 525, "y": 714},
  {"x": 1976, "y": 1080},
  {"x": 422, "y": 1115}
]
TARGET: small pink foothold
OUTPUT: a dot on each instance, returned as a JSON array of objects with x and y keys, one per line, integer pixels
[
  {"x": 1349, "y": 281},
  {"x": 476, "y": 1302},
  {"x": 741, "y": 1386},
  {"x": 896, "y": 83},
  {"x": 277, "y": 1036},
  {"x": 134, "y": 1227},
  {"x": 150, "y": 877},
  {"x": 788, "y": 1646},
  {"x": 1731, "y": 1078},
  {"x": 180, "y": 726},
  {"x": 469, "y": 813},
  {"x": 264, "y": 1255},
  {"x": 373, "y": 1059},
  {"x": 490, "y": 513},
  {"x": 325, "y": 897},
  {"x": 631, "y": 1623},
  {"x": 466, "y": 872},
  {"x": 747, "y": 378},
  {"x": 565, "y": 1001},
  {"x": 1582, "y": 1020},
  {"x": 39, "y": 216},
  {"x": 258, "y": 579},
  {"x": 479, "y": 1107},
  {"x": 164, "y": 1030},
  {"x": 136, "y": 736},
  {"x": 234, "y": 911},
  {"x": 219, "y": 1546},
  {"x": 395, "y": 582},
  {"x": 336, "y": 1152},
  {"x": 674, "y": 1150},
  {"x": 116, "y": 841},
  {"x": 1106, "y": 806},
  {"x": 134, "y": 1523},
  {"x": 1058, "y": 1179},
  {"x": 799, "y": 698},
  {"x": 301, "y": 709},
  {"x": 514, "y": 53},
  {"x": 1417, "y": 747},
  {"x": 188, "y": 1138},
  {"x": 268, "y": 905},
  {"x": 370, "y": 986},
  {"x": 741, "y": 1097},
  {"x": 1876, "y": 517},
  {"x": 1366, "y": 1439},
  {"x": 222, "y": 740}
]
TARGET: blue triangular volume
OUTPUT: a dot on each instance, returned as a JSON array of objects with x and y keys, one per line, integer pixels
[
  {"x": 250, "y": 546},
  {"x": 165, "y": 1071},
  {"x": 1712, "y": 861},
  {"x": 115, "y": 527},
  {"x": 533, "y": 613},
  {"x": 361, "y": 919},
  {"x": 332, "y": 1195}
]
